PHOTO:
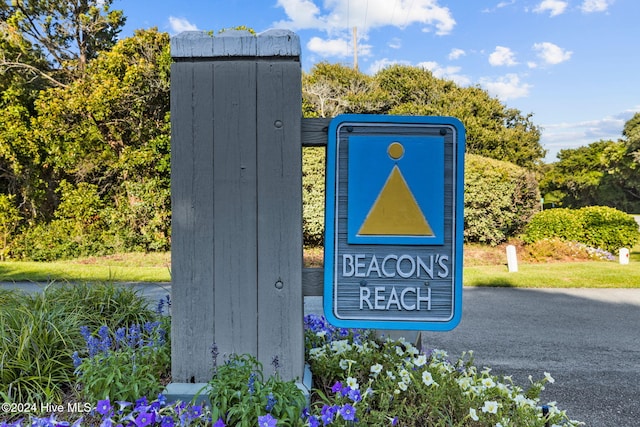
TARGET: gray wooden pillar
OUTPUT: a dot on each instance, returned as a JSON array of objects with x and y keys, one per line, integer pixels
[{"x": 236, "y": 187}]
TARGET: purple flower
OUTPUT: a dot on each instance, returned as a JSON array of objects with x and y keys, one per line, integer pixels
[
  {"x": 196, "y": 411},
  {"x": 219, "y": 423},
  {"x": 313, "y": 421},
  {"x": 327, "y": 413},
  {"x": 271, "y": 402},
  {"x": 394, "y": 421},
  {"x": 141, "y": 404},
  {"x": 104, "y": 407},
  {"x": 354, "y": 395},
  {"x": 144, "y": 419},
  {"x": 77, "y": 360},
  {"x": 84, "y": 331},
  {"x": 267, "y": 421},
  {"x": 167, "y": 421},
  {"x": 336, "y": 387},
  {"x": 348, "y": 412}
]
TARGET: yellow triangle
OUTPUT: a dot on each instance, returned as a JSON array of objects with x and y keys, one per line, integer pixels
[{"x": 395, "y": 211}]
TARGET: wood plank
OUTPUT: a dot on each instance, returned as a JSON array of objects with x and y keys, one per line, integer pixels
[
  {"x": 312, "y": 282},
  {"x": 314, "y": 132},
  {"x": 192, "y": 322},
  {"x": 280, "y": 304},
  {"x": 235, "y": 206}
]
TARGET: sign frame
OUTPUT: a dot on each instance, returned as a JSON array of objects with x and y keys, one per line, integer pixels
[{"x": 378, "y": 129}]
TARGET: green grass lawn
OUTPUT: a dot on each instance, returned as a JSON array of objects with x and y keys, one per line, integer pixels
[
  {"x": 587, "y": 274},
  {"x": 136, "y": 267},
  {"x": 157, "y": 268}
]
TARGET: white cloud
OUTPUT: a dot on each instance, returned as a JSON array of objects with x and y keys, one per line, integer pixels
[
  {"x": 552, "y": 54},
  {"x": 555, "y": 7},
  {"x": 499, "y": 6},
  {"x": 506, "y": 87},
  {"x": 335, "y": 47},
  {"x": 589, "y": 6},
  {"x": 448, "y": 73},
  {"x": 395, "y": 43},
  {"x": 456, "y": 53},
  {"x": 502, "y": 56},
  {"x": 339, "y": 15},
  {"x": 179, "y": 25}
]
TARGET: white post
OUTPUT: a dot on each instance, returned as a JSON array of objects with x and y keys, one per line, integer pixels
[
  {"x": 624, "y": 256},
  {"x": 512, "y": 260}
]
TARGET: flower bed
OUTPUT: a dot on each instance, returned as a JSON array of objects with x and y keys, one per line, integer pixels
[{"x": 358, "y": 380}]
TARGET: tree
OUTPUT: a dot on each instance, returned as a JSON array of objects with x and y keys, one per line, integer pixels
[
  {"x": 602, "y": 173},
  {"x": 64, "y": 34},
  {"x": 332, "y": 89},
  {"x": 492, "y": 129}
]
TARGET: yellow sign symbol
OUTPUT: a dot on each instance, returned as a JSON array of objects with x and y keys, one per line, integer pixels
[{"x": 395, "y": 211}]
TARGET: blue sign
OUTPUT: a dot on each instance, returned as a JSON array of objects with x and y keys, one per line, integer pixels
[{"x": 394, "y": 222}]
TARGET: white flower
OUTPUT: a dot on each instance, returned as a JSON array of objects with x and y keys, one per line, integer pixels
[
  {"x": 490, "y": 407},
  {"x": 488, "y": 382},
  {"x": 317, "y": 352},
  {"x": 399, "y": 351},
  {"x": 473, "y": 414},
  {"x": 353, "y": 383},
  {"x": 549, "y": 378},
  {"x": 402, "y": 386},
  {"x": 412, "y": 350},
  {"x": 340, "y": 346},
  {"x": 420, "y": 360},
  {"x": 427, "y": 378},
  {"x": 321, "y": 334},
  {"x": 464, "y": 382},
  {"x": 390, "y": 375},
  {"x": 376, "y": 369}
]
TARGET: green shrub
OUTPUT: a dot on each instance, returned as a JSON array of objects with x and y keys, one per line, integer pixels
[
  {"x": 595, "y": 226},
  {"x": 313, "y": 169},
  {"x": 608, "y": 228},
  {"x": 240, "y": 395},
  {"x": 39, "y": 333},
  {"x": 35, "y": 340},
  {"x": 500, "y": 199},
  {"x": 124, "y": 363},
  {"x": 562, "y": 223}
]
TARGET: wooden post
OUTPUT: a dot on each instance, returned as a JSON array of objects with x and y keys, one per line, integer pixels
[{"x": 236, "y": 201}]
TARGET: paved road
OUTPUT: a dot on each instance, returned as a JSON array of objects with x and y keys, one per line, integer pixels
[{"x": 588, "y": 339}]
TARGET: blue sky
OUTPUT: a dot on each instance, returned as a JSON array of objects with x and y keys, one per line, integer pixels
[{"x": 572, "y": 63}]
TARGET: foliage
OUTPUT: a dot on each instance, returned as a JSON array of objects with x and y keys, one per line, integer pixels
[
  {"x": 492, "y": 129},
  {"x": 240, "y": 395},
  {"x": 313, "y": 169},
  {"x": 37, "y": 335},
  {"x": 102, "y": 140},
  {"x": 64, "y": 34},
  {"x": 40, "y": 331},
  {"x": 9, "y": 219},
  {"x": 123, "y": 364},
  {"x": 596, "y": 226},
  {"x": 555, "y": 248},
  {"x": 500, "y": 199},
  {"x": 390, "y": 382},
  {"x": 601, "y": 173}
]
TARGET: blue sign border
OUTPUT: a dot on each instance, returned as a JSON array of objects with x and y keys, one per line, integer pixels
[{"x": 330, "y": 221}]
